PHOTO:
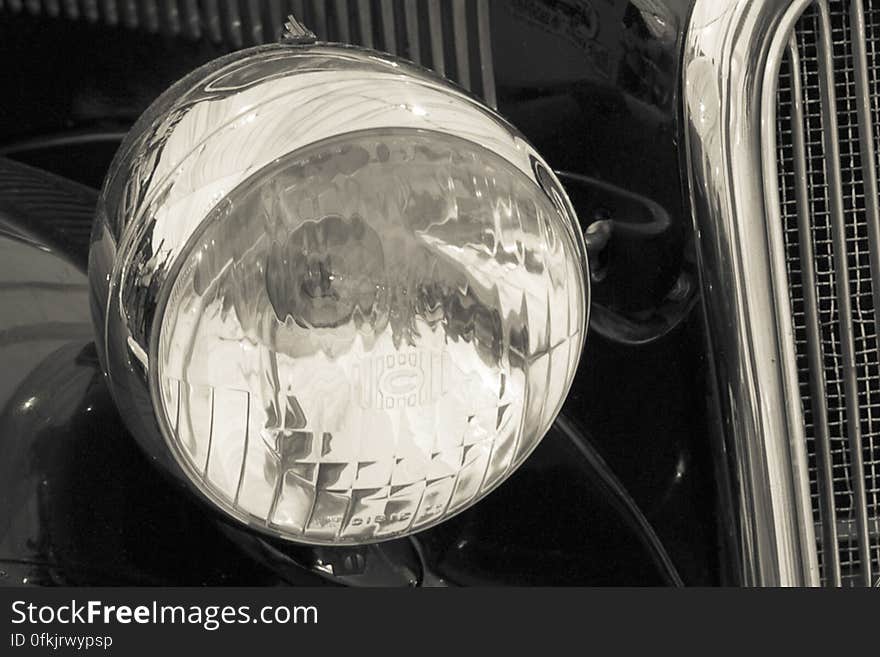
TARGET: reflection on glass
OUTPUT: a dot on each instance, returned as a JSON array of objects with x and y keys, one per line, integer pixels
[{"x": 369, "y": 334}]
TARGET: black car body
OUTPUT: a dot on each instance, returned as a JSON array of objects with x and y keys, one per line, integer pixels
[{"x": 644, "y": 479}]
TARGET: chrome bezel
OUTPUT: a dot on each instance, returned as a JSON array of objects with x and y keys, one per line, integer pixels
[
  {"x": 732, "y": 55},
  {"x": 137, "y": 212}
]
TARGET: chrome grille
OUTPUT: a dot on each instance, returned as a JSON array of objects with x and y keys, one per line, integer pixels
[
  {"x": 449, "y": 36},
  {"x": 828, "y": 126}
]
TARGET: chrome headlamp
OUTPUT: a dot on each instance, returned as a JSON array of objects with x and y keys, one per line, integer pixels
[{"x": 338, "y": 297}]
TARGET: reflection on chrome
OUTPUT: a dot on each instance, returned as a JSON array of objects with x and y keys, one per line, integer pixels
[
  {"x": 345, "y": 297},
  {"x": 732, "y": 49}
]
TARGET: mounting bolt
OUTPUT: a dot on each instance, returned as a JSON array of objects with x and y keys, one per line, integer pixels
[
  {"x": 596, "y": 238},
  {"x": 296, "y": 33}
]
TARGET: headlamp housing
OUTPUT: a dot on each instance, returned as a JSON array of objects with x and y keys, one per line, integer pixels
[{"x": 336, "y": 296}]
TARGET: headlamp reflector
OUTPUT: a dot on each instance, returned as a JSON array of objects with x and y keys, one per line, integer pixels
[{"x": 368, "y": 334}]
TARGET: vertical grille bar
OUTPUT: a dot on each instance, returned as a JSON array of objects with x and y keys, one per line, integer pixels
[
  {"x": 460, "y": 37},
  {"x": 129, "y": 14},
  {"x": 832, "y": 158},
  {"x": 211, "y": 18},
  {"x": 191, "y": 24},
  {"x": 342, "y": 25},
  {"x": 389, "y": 32},
  {"x": 866, "y": 136},
  {"x": 172, "y": 17},
  {"x": 365, "y": 22},
  {"x": 233, "y": 23},
  {"x": 149, "y": 12},
  {"x": 435, "y": 23},
  {"x": 255, "y": 22},
  {"x": 319, "y": 16},
  {"x": 831, "y": 563},
  {"x": 71, "y": 10},
  {"x": 487, "y": 66},
  {"x": 109, "y": 11},
  {"x": 90, "y": 10},
  {"x": 411, "y": 10},
  {"x": 275, "y": 16},
  {"x": 868, "y": 133}
]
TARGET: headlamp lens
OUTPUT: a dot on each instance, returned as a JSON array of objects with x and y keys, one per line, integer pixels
[{"x": 368, "y": 334}]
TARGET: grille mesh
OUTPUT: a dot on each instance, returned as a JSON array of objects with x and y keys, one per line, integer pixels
[{"x": 833, "y": 331}]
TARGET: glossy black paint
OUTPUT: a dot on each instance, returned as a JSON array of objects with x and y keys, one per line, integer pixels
[
  {"x": 599, "y": 97},
  {"x": 594, "y": 86},
  {"x": 82, "y": 505}
]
